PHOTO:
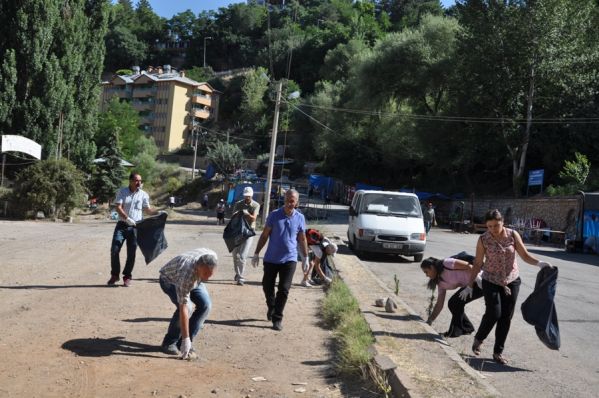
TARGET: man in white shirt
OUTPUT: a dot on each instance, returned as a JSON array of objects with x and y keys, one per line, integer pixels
[{"x": 131, "y": 202}]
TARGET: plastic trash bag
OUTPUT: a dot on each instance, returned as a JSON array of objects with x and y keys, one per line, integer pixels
[
  {"x": 237, "y": 231},
  {"x": 539, "y": 308},
  {"x": 150, "y": 236}
]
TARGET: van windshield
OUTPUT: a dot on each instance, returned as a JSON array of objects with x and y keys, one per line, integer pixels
[{"x": 391, "y": 205}]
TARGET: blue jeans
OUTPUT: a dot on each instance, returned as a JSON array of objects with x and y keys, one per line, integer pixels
[
  {"x": 198, "y": 296},
  {"x": 122, "y": 233}
]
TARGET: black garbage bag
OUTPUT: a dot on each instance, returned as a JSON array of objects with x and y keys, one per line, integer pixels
[
  {"x": 150, "y": 236},
  {"x": 539, "y": 308},
  {"x": 237, "y": 231},
  {"x": 464, "y": 256}
]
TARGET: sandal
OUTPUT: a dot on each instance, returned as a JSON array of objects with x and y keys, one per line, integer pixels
[
  {"x": 499, "y": 359},
  {"x": 476, "y": 346}
]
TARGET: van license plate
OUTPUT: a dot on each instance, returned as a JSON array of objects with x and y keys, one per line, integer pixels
[{"x": 392, "y": 246}]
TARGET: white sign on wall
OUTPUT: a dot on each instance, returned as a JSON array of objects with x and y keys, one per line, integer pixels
[{"x": 17, "y": 143}]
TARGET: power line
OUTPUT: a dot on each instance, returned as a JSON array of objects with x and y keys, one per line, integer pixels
[{"x": 464, "y": 119}]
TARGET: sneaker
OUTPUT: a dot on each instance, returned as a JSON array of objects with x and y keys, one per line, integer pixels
[
  {"x": 277, "y": 325},
  {"x": 113, "y": 280},
  {"x": 306, "y": 284},
  {"x": 126, "y": 282},
  {"x": 328, "y": 280},
  {"x": 241, "y": 282},
  {"x": 171, "y": 349}
]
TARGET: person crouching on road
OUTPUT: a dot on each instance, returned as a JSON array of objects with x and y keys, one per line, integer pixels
[
  {"x": 284, "y": 229},
  {"x": 131, "y": 202},
  {"x": 181, "y": 279},
  {"x": 449, "y": 274},
  {"x": 250, "y": 209}
]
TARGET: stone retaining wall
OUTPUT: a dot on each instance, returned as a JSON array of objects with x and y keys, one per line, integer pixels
[{"x": 558, "y": 213}]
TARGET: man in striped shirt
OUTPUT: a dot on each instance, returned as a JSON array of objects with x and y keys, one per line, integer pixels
[{"x": 182, "y": 280}]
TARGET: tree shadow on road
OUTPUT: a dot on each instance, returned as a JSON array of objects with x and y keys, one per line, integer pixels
[{"x": 97, "y": 347}]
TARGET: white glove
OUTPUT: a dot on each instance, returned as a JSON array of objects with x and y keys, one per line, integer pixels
[
  {"x": 256, "y": 260},
  {"x": 130, "y": 222},
  {"x": 466, "y": 293},
  {"x": 246, "y": 213},
  {"x": 543, "y": 264},
  {"x": 305, "y": 265},
  {"x": 479, "y": 280},
  {"x": 185, "y": 347}
]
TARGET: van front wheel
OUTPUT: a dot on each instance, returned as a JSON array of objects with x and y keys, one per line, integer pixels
[{"x": 418, "y": 257}]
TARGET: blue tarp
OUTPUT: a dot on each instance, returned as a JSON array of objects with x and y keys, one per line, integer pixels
[
  {"x": 427, "y": 195},
  {"x": 322, "y": 184},
  {"x": 361, "y": 185},
  {"x": 236, "y": 193}
]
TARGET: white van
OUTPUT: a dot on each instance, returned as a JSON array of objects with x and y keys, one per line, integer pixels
[{"x": 386, "y": 222}]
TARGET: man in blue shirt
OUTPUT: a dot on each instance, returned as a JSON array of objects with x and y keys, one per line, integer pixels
[{"x": 284, "y": 228}]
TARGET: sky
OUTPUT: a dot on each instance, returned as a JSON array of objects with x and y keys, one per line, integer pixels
[{"x": 168, "y": 8}]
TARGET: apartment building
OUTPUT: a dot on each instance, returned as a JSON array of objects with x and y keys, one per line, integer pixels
[{"x": 170, "y": 105}]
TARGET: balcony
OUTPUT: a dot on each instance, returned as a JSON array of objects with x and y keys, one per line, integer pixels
[
  {"x": 201, "y": 99},
  {"x": 200, "y": 113},
  {"x": 141, "y": 92},
  {"x": 141, "y": 106}
]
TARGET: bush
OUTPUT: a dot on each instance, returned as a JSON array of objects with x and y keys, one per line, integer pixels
[{"x": 55, "y": 187}]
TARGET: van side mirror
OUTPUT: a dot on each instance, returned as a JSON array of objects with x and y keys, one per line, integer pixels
[{"x": 352, "y": 211}]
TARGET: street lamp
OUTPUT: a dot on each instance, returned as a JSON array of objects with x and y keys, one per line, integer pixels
[
  {"x": 206, "y": 38},
  {"x": 273, "y": 145}
]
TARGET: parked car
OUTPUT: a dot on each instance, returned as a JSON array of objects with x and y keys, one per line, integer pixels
[{"x": 386, "y": 222}]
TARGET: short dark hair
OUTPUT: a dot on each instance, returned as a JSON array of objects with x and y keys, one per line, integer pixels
[
  {"x": 493, "y": 215},
  {"x": 133, "y": 174}
]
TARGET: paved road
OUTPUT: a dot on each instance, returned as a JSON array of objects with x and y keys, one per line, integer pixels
[{"x": 534, "y": 370}]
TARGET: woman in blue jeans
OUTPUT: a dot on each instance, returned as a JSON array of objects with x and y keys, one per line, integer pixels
[{"x": 182, "y": 280}]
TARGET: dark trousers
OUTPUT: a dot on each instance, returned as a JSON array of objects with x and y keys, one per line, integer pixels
[
  {"x": 460, "y": 324},
  {"x": 122, "y": 233},
  {"x": 499, "y": 310},
  {"x": 276, "y": 304}
]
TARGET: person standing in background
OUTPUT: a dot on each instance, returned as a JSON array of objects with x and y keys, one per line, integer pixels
[
  {"x": 250, "y": 209},
  {"x": 428, "y": 215}
]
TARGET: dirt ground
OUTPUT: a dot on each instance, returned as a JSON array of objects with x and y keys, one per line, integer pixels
[{"x": 64, "y": 333}]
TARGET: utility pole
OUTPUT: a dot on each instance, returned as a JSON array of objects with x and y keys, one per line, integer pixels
[
  {"x": 271, "y": 158},
  {"x": 195, "y": 151}
]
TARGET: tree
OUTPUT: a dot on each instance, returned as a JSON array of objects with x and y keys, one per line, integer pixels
[
  {"x": 226, "y": 158},
  {"x": 517, "y": 81},
  {"x": 55, "y": 187},
  {"x": 51, "y": 64}
]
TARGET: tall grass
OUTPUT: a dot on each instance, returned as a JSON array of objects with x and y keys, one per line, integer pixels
[{"x": 352, "y": 334}]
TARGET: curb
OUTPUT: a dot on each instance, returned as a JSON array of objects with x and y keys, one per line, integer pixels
[{"x": 406, "y": 348}]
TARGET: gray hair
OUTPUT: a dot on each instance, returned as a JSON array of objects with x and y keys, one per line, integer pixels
[
  {"x": 201, "y": 256},
  {"x": 292, "y": 191}
]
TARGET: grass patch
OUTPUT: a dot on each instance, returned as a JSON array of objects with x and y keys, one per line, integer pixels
[{"x": 352, "y": 334}]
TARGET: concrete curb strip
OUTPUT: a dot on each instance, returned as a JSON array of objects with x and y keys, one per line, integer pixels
[{"x": 418, "y": 362}]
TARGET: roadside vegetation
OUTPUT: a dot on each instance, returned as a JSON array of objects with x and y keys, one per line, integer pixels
[{"x": 353, "y": 336}]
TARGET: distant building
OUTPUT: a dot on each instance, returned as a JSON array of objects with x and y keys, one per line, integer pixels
[{"x": 170, "y": 104}]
